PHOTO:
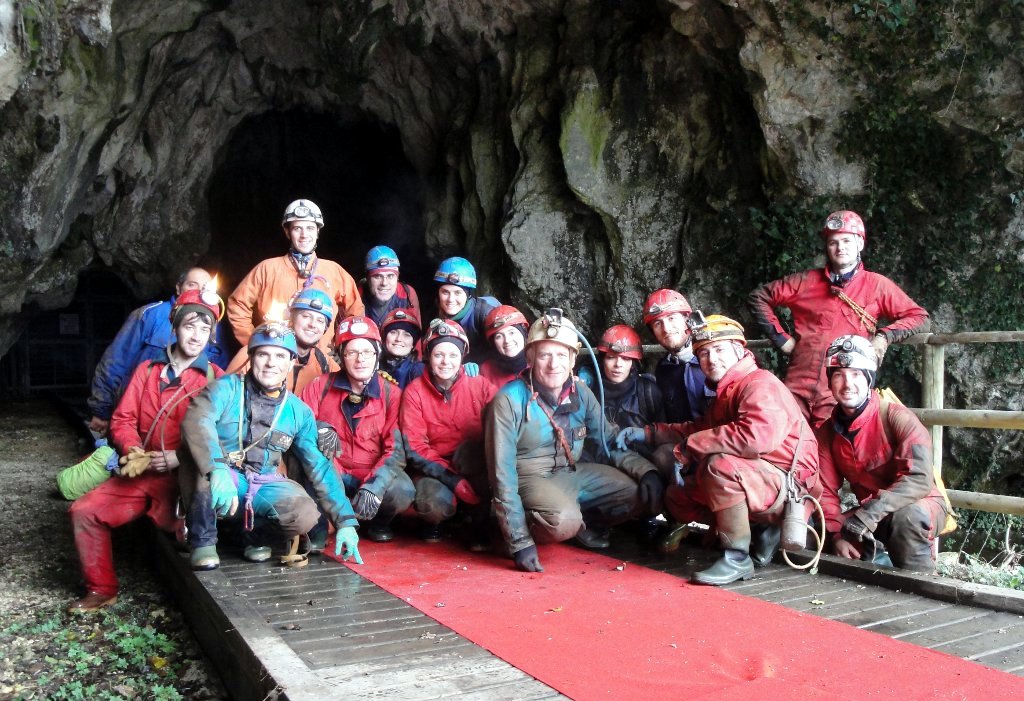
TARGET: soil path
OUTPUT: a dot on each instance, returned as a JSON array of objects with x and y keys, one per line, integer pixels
[{"x": 139, "y": 648}]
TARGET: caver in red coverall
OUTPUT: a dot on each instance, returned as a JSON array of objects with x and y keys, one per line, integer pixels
[
  {"x": 371, "y": 456},
  {"x": 443, "y": 434},
  {"x": 893, "y": 480},
  {"x": 149, "y": 415},
  {"x": 819, "y": 316},
  {"x": 741, "y": 449}
]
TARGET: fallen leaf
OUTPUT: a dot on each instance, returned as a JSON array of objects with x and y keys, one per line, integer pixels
[
  {"x": 554, "y": 610},
  {"x": 157, "y": 662}
]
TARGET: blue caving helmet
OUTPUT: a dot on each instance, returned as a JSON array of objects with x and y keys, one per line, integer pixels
[
  {"x": 273, "y": 334},
  {"x": 382, "y": 258},
  {"x": 314, "y": 300},
  {"x": 456, "y": 271}
]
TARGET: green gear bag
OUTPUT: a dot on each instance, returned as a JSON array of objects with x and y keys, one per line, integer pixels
[{"x": 77, "y": 480}]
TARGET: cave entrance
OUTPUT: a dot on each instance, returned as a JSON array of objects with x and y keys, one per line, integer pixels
[{"x": 354, "y": 170}]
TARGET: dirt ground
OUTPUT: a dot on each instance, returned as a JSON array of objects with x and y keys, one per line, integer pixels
[{"x": 140, "y": 648}]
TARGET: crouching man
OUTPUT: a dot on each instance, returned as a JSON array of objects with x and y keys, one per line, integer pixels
[
  {"x": 885, "y": 453},
  {"x": 234, "y": 435},
  {"x": 735, "y": 459},
  {"x": 145, "y": 430},
  {"x": 534, "y": 433}
]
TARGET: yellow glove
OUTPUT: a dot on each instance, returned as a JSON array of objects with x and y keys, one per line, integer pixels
[{"x": 135, "y": 462}]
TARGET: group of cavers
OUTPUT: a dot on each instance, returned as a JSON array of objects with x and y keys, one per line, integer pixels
[{"x": 343, "y": 412}]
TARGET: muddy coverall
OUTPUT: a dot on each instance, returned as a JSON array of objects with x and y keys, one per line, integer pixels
[
  {"x": 742, "y": 449},
  {"x": 443, "y": 433},
  {"x": 541, "y": 492},
  {"x": 234, "y": 423},
  {"x": 372, "y": 456},
  {"x": 893, "y": 480},
  {"x": 148, "y": 416},
  {"x": 820, "y": 317}
]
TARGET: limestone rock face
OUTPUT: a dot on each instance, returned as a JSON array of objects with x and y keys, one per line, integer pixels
[{"x": 581, "y": 154}]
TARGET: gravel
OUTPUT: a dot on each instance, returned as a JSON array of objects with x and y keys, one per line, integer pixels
[{"x": 140, "y": 648}]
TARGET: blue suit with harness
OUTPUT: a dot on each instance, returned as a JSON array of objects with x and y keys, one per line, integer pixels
[{"x": 233, "y": 423}]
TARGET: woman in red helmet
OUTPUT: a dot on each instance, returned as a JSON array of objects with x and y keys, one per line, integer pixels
[
  {"x": 505, "y": 328},
  {"x": 441, "y": 420}
]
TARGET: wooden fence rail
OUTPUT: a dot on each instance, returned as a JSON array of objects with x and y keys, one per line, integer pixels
[{"x": 934, "y": 414}]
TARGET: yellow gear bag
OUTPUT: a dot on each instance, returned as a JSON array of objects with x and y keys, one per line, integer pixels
[{"x": 885, "y": 397}]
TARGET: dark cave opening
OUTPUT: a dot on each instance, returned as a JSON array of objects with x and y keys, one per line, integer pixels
[{"x": 354, "y": 170}]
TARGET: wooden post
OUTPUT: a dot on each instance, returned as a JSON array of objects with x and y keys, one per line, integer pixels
[{"x": 932, "y": 393}]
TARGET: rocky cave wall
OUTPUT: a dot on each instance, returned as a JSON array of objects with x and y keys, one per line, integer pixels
[{"x": 581, "y": 153}]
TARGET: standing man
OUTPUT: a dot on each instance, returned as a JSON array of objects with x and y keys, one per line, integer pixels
[
  {"x": 844, "y": 298},
  {"x": 382, "y": 291},
  {"x": 279, "y": 279},
  {"x": 310, "y": 315},
  {"x": 234, "y": 436},
  {"x": 357, "y": 411},
  {"x": 736, "y": 458},
  {"x": 533, "y": 438},
  {"x": 145, "y": 430},
  {"x": 145, "y": 335},
  {"x": 885, "y": 453}
]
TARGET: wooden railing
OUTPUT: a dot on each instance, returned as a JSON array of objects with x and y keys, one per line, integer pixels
[{"x": 935, "y": 416}]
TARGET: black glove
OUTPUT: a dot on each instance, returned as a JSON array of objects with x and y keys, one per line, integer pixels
[
  {"x": 855, "y": 530},
  {"x": 651, "y": 493},
  {"x": 527, "y": 560},
  {"x": 327, "y": 440},
  {"x": 365, "y": 503}
]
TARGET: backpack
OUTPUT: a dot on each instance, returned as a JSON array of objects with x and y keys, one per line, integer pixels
[{"x": 886, "y": 397}]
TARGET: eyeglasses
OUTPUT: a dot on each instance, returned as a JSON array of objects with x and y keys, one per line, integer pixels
[{"x": 361, "y": 355}]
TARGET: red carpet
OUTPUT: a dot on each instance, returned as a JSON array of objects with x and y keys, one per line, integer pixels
[{"x": 592, "y": 631}]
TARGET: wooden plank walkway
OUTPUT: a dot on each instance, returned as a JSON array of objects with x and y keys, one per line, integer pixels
[{"x": 325, "y": 632}]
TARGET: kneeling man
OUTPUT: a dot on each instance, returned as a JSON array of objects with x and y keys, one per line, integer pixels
[
  {"x": 533, "y": 437},
  {"x": 234, "y": 435},
  {"x": 885, "y": 453}
]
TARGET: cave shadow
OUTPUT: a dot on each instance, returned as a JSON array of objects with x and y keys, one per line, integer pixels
[{"x": 355, "y": 170}]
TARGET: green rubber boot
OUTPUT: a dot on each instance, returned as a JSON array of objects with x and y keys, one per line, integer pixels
[
  {"x": 204, "y": 557},
  {"x": 257, "y": 553}
]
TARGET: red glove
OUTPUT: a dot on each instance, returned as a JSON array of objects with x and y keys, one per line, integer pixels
[{"x": 464, "y": 492}]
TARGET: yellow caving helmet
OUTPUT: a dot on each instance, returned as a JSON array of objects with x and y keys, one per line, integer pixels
[{"x": 715, "y": 328}]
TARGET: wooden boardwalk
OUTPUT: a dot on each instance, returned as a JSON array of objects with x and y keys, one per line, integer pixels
[{"x": 325, "y": 632}]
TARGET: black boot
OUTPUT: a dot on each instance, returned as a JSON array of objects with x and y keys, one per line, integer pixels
[
  {"x": 593, "y": 538},
  {"x": 734, "y": 533},
  {"x": 764, "y": 543},
  {"x": 733, "y": 565}
]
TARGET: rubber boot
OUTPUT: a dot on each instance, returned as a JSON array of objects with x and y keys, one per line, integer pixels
[
  {"x": 593, "y": 538},
  {"x": 204, "y": 558},
  {"x": 764, "y": 543},
  {"x": 733, "y": 528}
]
